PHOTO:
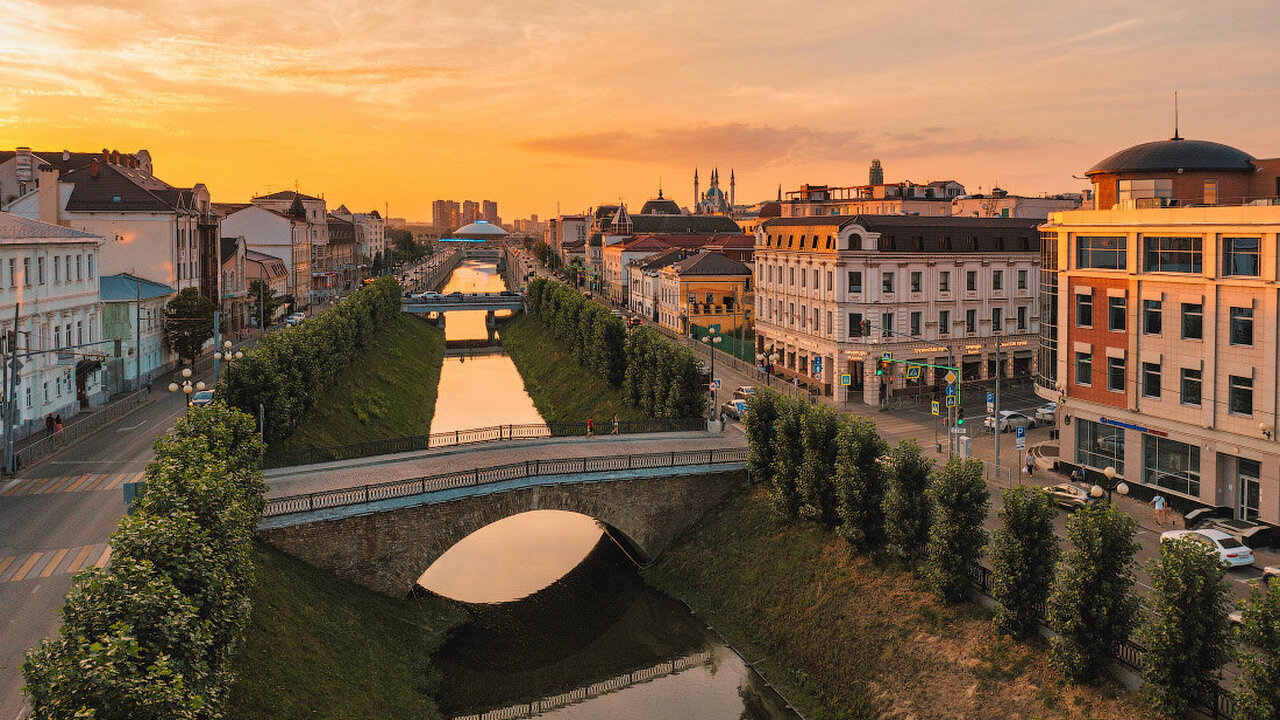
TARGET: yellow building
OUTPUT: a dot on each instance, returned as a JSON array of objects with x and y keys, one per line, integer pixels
[{"x": 707, "y": 289}]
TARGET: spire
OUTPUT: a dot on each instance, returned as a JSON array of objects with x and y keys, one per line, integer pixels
[
  {"x": 1175, "y": 116},
  {"x": 779, "y": 192},
  {"x": 696, "y": 197},
  {"x": 732, "y": 182},
  {"x": 622, "y": 221}
]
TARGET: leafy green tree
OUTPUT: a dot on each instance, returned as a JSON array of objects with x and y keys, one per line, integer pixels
[
  {"x": 907, "y": 511},
  {"x": 1091, "y": 606},
  {"x": 1024, "y": 553},
  {"x": 188, "y": 322},
  {"x": 1186, "y": 631},
  {"x": 263, "y": 302},
  {"x": 860, "y": 482},
  {"x": 816, "y": 479},
  {"x": 1258, "y": 688},
  {"x": 762, "y": 413},
  {"x": 960, "y": 500},
  {"x": 788, "y": 453}
]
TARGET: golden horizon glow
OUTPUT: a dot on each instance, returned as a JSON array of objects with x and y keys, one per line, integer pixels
[{"x": 539, "y": 102}]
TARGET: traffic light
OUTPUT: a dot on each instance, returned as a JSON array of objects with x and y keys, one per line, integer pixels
[
  {"x": 959, "y": 416},
  {"x": 865, "y": 326},
  {"x": 882, "y": 367}
]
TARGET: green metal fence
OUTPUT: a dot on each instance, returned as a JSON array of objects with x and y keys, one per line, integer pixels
[{"x": 743, "y": 348}]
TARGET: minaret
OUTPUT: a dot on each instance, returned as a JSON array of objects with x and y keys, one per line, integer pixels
[
  {"x": 732, "y": 182},
  {"x": 779, "y": 192},
  {"x": 696, "y": 196}
]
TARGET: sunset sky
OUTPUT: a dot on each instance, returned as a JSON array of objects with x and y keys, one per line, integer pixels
[{"x": 534, "y": 102}]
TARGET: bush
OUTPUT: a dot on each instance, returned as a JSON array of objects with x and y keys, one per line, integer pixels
[
  {"x": 815, "y": 480},
  {"x": 762, "y": 413},
  {"x": 1091, "y": 606},
  {"x": 1024, "y": 552},
  {"x": 906, "y": 501},
  {"x": 153, "y": 635},
  {"x": 1186, "y": 632},
  {"x": 1258, "y": 691},
  {"x": 788, "y": 453},
  {"x": 292, "y": 367},
  {"x": 860, "y": 482},
  {"x": 956, "y": 537}
]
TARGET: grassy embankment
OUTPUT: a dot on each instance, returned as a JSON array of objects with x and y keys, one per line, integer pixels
[
  {"x": 389, "y": 391},
  {"x": 322, "y": 647},
  {"x": 561, "y": 389},
  {"x": 844, "y": 638}
]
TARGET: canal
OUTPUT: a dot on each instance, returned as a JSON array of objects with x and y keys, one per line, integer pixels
[{"x": 561, "y": 623}]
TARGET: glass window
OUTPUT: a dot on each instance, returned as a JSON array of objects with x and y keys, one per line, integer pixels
[
  {"x": 1210, "y": 191},
  {"x": 855, "y": 281},
  {"x": 803, "y": 275},
  {"x": 40, "y": 270},
  {"x": 1101, "y": 253},
  {"x": 915, "y": 282},
  {"x": 91, "y": 259},
  {"x": 855, "y": 325},
  {"x": 1240, "y": 395},
  {"x": 944, "y": 322},
  {"x": 1240, "y": 256},
  {"x": 1242, "y": 326},
  {"x": 1022, "y": 317},
  {"x": 1151, "y": 317},
  {"x": 1151, "y": 380},
  {"x": 1192, "y": 321},
  {"x": 1172, "y": 254},
  {"x": 1115, "y": 374},
  {"x": 1100, "y": 446},
  {"x": 57, "y": 272},
  {"x": 1115, "y": 314},
  {"x": 26, "y": 271},
  {"x": 915, "y": 323},
  {"x": 1191, "y": 382},
  {"x": 971, "y": 321},
  {"x": 971, "y": 280},
  {"x": 815, "y": 275},
  {"x": 997, "y": 319},
  {"x": 886, "y": 324},
  {"x": 1084, "y": 310},
  {"x": 1022, "y": 279},
  {"x": 1084, "y": 368},
  {"x": 1171, "y": 465},
  {"x": 997, "y": 279},
  {"x": 1128, "y": 190},
  {"x": 944, "y": 281},
  {"x": 886, "y": 282}
]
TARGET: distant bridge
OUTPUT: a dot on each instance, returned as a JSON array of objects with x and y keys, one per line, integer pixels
[{"x": 435, "y": 302}]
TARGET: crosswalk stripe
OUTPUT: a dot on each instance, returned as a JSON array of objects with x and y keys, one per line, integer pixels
[
  {"x": 40, "y": 485},
  {"x": 79, "y": 559},
  {"x": 26, "y": 567},
  {"x": 102, "y": 561},
  {"x": 78, "y": 483},
  {"x": 117, "y": 481},
  {"x": 59, "y": 486},
  {"x": 53, "y": 563},
  {"x": 5, "y": 563}
]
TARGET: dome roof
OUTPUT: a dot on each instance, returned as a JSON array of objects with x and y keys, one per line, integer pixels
[
  {"x": 1175, "y": 154},
  {"x": 660, "y": 206},
  {"x": 480, "y": 230}
]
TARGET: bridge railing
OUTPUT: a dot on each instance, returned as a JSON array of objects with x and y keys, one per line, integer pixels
[
  {"x": 307, "y": 456},
  {"x": 496, "y": 473}
]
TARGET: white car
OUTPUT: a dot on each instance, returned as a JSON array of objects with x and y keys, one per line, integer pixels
[
  {"x": 1045, "y": 414},
  {"x": 202, "y": 398},
  {"x": 1231, "y": 551},
  {"x": 1009, "y": 419}
]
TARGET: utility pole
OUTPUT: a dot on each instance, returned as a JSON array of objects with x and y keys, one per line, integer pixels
[
  {"x": 137, "y": 336},
  {"x": 217, "y": 346},
  {"x": 996, "y": 409},
  {"x": 11, "y": 390}
]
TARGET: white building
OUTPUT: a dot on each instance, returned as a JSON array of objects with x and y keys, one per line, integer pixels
[
  {"x": 49, "y": 273},
  {"x": 282, "y": 235},
  {"x": 930, "y": 288}
]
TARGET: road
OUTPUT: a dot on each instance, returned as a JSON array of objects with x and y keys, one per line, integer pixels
[{"x": 56, "y": 518}]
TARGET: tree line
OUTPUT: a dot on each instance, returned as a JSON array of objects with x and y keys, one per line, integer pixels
[
  {"x": 292, "y": 367},
  {"x": 835, "y": 470},
  {"x": 152, "y": 636},
  {"x": 655, "y": 375}
]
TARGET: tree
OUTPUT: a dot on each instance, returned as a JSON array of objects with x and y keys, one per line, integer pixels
[
  {"x": 956, "y": 537},
  {"x": 906, "y": 501},
  {"x": 815, "y": 480},
  {"x": 762, "y": 413},
  {"x": 1091, "y": 606},
  {"x": 188, "y": 322},
  {"x": 1258, "y": 689},
  {"x": 1024, "y": 552},
  {"x": 1186, "y": 632},
  {"x": 263, "y": 302},
  {"x": 788, "y": 453},
  {"x": 859, "y": 483}
]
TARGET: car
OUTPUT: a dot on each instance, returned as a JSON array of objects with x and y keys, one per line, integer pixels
[
  {"x": 1231, "y": 551},
  {"x": 703, "y": 368},
  {"x": 1069, "y": 495},
  {"x": 294, "y": 319},
  {"x": 736, "y": 409},
  {"x": 586, "y": 294},
  {"x": 1009, "y": 419},
  {"x": 634, "y": 322},
  {"x": 202, "y": 398},
  {"x": 742, "y": 392},
  {"x": 616, "y": 313},
  {"x": 1045, "y": 414}
]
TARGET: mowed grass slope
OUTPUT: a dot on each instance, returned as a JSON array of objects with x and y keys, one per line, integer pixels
[
  {"x": 561, "y": 389},
  {"x": 844, "y": 638},
  {"x": 322, "y": 647},
  {"x": 388, "y": 392}
]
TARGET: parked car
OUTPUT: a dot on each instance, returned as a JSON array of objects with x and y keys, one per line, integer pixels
[
  {"x": 1046, "y": 414},
  {"x": 294, "y": 319},
  {"x": 616, "y": 313},
  {"x": 1231, "y": 551},
  {"x": 634, "y": 322},
  {"x": 586, "y": 294},
  {"x": 742, "y": 392},
  {"x": 736, "y": 409},
  {"x": 1069, "y": 496},
  {"x": 202, "y": 398},
  {"x": 703, "y": 368},
  {"x": 1009, "y": 419}
]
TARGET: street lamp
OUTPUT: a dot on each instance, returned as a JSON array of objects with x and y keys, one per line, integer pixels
[
  {"x": 1266, "y": 428},
  {"x": 712, "y": 340},
  {"x": 1121, "y": 487},
  {"x": 226, "y": 354},
  {"x": 186, "y": 387}
]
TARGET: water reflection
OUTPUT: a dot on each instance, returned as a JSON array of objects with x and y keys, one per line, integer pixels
[
  {"x": 471, "y": 276},
  {"x": 512, "y": 558}
]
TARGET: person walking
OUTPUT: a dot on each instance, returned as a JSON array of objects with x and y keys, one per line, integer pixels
[
  {"x": 48, "y": 424},
  {"x": 591, "y": 426},
  {"x": 1077, "y": 476},
  {"x": 615, "y": 425},
  {"x": 1031, "y": 464},
  {"x": 1162, "y": 508},
  {"x": 57, "y": 423}
]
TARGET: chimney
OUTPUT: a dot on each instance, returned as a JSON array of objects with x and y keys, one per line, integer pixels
[
  {"x": 115, "y": 157},
  {"x": 106, "y": 155},
  {"x": 93, "y": 168},
  {"x": 66, "y": 155},
  {"x": 47, "y": 194}
]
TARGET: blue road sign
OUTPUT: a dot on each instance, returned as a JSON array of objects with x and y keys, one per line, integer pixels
[
  {"x": 935, "y": 407},
  {"x": 951, "y": 390},
  {"x": 846, "y": 379},
  {"x": 1021, "y": 432},
  {"x": 951, "y": 401},
  {"x": 913, "y": 373},
  {"x": 991, "y": 397},
  {"x": 817, "y": 364},
  {"x": 886, "y": 356}
]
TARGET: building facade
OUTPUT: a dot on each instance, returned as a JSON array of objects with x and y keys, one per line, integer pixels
[
  {"x": 834, "y": 293},
  {"x": 281, "y": 235},
  {"x": 235, "y": 285},
  {"x": 133, "y": 327},
  {"x": 274, "y": 274},
  {"x": 708, "y": 290}
]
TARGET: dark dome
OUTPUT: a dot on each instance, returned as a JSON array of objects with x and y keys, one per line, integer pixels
[
  {"x": 1176, "y": 154},
  {"x": 660, "y": 206}
]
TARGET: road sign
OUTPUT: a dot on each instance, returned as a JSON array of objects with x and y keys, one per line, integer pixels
[
  {"x": 951, "y": 377},
  {"x": 951, "y": 401},
  {"x": 935, "y": 407},
  {"x": 846, "y": 379},
  {"x": 886, "y": 356},
  {"x": 913, "y": 372},
  {"x": 1021, "y": 435},
  {"x": 951, "y": 391},
  {"x": 713, "y": 385},
  {"x": 817, "y": 365},
  {"x": 991, "y": 402}
]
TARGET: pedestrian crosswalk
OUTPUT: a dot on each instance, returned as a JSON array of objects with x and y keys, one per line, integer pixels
[
  {"x": 87, "y": 482},
  {"x": 60, "y": 561}
]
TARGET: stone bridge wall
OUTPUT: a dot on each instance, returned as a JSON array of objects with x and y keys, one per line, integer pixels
[{"x": 388, "y": 551}]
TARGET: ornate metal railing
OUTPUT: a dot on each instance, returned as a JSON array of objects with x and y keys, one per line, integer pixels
[{"x": 496, "y": 473}]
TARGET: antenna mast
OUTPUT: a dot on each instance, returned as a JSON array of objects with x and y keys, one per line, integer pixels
[{"x": 1175, "y": 116}]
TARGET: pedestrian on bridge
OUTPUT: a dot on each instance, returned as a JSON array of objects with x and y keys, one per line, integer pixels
[
  {"x": 615, "y": 424},
  {"x": 591, "y": 426}
]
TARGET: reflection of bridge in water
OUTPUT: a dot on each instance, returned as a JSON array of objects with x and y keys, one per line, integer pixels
[
  {"x": 596, "y": 689},
  {"x": 463, "y": 301}
]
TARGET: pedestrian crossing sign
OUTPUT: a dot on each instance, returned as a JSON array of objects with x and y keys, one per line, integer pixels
[
  {"x": 846, "y": 379},
  {"x": 951, "y": 401},
  {"x": 935, "y": 407},
  {"x": 913, "y": 372}
]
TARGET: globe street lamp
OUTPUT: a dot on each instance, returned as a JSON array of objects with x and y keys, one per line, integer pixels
[
  {"x": 1121, "y": 487},
  {"x": 186, "y": 387},
  {"x": 712, "y": 340}
]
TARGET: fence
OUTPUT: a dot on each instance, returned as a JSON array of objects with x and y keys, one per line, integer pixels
[
  {"x": 82, "y": 427},
  {"x": 496, "y": 473},
  {"x": 1218, "y": 703},
  {"x": 730, "y": 343},
  {"x": 492, "y": 433}
]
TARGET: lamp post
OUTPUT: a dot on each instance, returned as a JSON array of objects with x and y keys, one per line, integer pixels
[
  {"x": 186, "y": 387},
  {"x": 711, "y": 341},
  {"x": 1097, "y": 490},
  {"x": 1267, "y": 429}
]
